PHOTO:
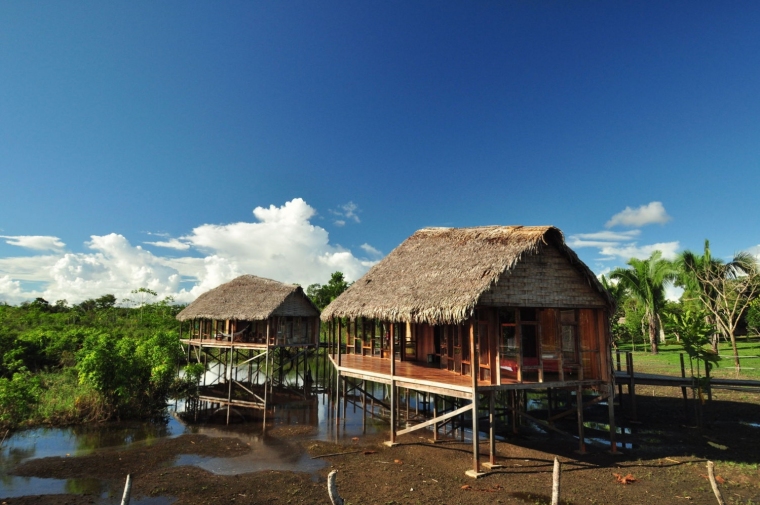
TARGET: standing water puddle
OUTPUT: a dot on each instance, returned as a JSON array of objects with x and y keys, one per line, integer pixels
[
  {"x": 311, "y": 421},
  {"x": 70, "y": 442}
]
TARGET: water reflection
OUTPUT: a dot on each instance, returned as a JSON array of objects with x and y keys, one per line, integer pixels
[
  {"x": 273, "y": 448},
  {"x": 70, "y": 442}
]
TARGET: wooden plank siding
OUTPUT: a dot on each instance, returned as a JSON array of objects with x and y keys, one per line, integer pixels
[{"x": 587, "y": 361}]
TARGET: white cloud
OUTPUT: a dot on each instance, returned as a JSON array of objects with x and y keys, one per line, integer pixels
[
  {"x": 755, "y": 251},
  {"x": 171, "y": 244},
  {"x": 653, "y": 212},
  {"x": 281, "y": 244},
  {"x": 347, "y": 212},
  {"x": 607, "y": 235},
  {"x": 627, "y": 251},
  {"x": 371, "y": 250},
  {"x": 36, "y": 242},
  {"x": 10, "y": 290}
]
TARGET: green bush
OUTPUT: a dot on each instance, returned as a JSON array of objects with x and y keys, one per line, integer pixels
[{"x": 18, "y": 398}]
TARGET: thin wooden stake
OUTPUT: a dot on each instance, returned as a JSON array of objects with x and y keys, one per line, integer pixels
[
  {"x": 556, "y": 482},
  {"x": 711, "y": 475},
  {"x": 127, "y": 490},
  {"x": 332, "y": 489}
]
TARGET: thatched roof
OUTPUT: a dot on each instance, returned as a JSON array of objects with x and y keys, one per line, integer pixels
[
  {"x": 250, "y": 298},
  {"x": 437, "y": 275}
]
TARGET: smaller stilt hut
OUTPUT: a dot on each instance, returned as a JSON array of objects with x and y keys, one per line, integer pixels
[{"x": 251, "y": 333}]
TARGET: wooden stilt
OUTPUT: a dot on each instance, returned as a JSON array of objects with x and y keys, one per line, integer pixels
[
  {"x": 474, "y": 371},
  {"x": 581, "y": 436},
  {"x": 631, "y": 384},
  {"x": 611, "y": 414},
  {"x": 393, "y": 402},
  {"x": 364, "y": 406},
  {"x": 491, "y": 433},
  {"x": 435, "y": 414}
]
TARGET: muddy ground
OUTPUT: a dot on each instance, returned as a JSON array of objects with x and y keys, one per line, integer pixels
[{"x": 666, "y": 464}]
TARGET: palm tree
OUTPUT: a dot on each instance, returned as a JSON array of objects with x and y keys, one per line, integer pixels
[
  {"x": 645, "y": 281},
  {"x": 724, "y": 289}
]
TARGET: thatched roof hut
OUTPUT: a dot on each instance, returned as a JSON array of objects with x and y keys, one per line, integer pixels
[
  {"x": 250, "y": 298},
  {"x": 438, "y": 275}
]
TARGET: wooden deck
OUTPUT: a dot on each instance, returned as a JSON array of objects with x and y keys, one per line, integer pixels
[
  {"x": 409, "y": 374},
  {"x": 421, "y": 377}
]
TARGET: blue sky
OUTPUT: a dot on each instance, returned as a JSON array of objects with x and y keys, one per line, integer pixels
[{"x": 174, "y": 145}]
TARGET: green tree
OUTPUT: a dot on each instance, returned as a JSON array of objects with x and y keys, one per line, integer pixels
[
  {"x": 18, "y": 397},
  {"x": 323, "y": 295},
  {"x": 617, "y": 321},
  {"x": 645, "y": 281},
  {"x": 725, "y": 289}
]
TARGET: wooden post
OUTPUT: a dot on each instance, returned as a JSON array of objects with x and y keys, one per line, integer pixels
[
  {"x": 364, "y": 406},
  {"x": 345, "y": 400},
  {"x": 332, "y": 489},
  {"x": 337, "y": 399},
  {"x": 127, "y": 490},
  {"x": 229, "y": 388},
  {"x": 474, "y": 369},
  {"x": 556, "y": 482},
  {"x": 620, "y": 384},
  {"x": 492, "y": 429},
  {"x": 713, "y": 483},
  {"x": 513, "y": 399},
  {"x": 435, "y": 414},
  {"x": 611, "y": 414},
  {"x": 631, "y": 383},
  {"x": 340, "y": 339},
  {"x": 581, "y": 435},
  {"x": 393, "y": 386}
]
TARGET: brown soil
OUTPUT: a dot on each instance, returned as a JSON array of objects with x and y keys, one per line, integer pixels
[{"x": 668, "y": 466}]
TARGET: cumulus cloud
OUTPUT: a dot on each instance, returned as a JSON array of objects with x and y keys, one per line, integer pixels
[
  {"x": 280, "y": 244},
  {"x": 653, "y": 212},
  {"x": 10, "y": 290},
  {"x": 35, "y": 242}
]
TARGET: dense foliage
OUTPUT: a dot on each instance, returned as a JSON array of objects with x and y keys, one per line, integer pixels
[
  {"x": 723, "y": 293},
  {"x": 92, "y": 361},
  {"x": 322, "y": 295}
]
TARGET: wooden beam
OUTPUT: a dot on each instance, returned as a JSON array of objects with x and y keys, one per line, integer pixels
[{"x": 438, "y": 419}]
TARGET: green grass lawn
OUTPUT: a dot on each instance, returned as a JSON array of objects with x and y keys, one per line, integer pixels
[{"x": 667, "y": 362}]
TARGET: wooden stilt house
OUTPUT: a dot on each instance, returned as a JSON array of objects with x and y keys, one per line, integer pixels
[
  {"x": 468, "y": 313},
  {"x": 247, "y": 332}
]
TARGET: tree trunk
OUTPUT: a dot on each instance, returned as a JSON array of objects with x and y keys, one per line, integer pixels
[
  {"x": 653, "y": 333},
  {"x": 736, "y": 351}
]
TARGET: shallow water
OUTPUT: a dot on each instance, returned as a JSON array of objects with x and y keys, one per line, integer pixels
[
  {"x": 69, "y": 442},
  {"x": 267, "y": 452}
]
